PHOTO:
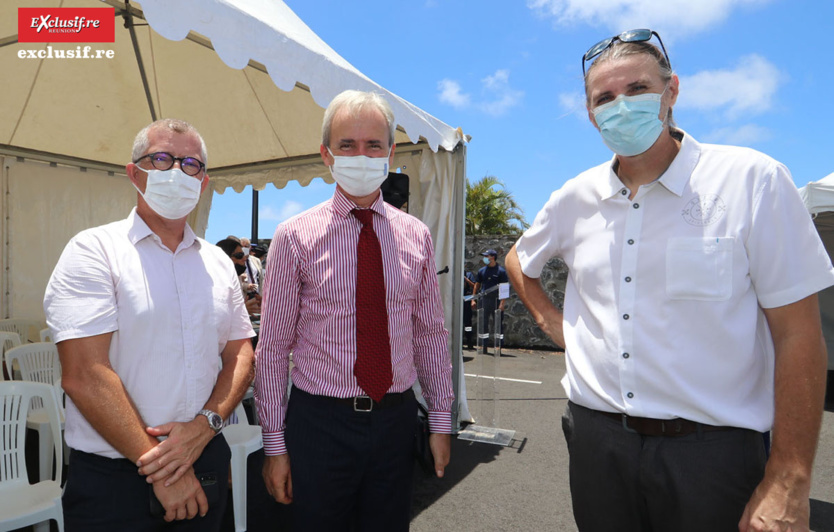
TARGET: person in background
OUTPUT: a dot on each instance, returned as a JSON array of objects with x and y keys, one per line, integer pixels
[
  {"x": 154, "y": 343},
  {"x": 234, "y": 251},
  {"x": 489, "y": 277},
  {"x": 469, "y": 281},
  {"x": 352, "y": 293},
  {"x": 690, "y": 323},
  {"x": 254, "y": 269}
]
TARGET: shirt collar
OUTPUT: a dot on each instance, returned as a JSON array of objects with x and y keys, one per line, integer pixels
[
  {"x": 675, "y": 177},
  {"x": 342, "y": 205},
  {"x": 139, "y": 230}
]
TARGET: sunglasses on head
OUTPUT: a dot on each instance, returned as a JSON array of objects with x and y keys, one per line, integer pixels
[{"x": 641, "y": 35}]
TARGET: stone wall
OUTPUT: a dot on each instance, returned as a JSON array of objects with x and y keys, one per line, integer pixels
[{"x": 520, "y": 331}]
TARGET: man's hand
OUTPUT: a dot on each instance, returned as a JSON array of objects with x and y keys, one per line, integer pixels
[
  {"x": 441, "y": 451},
  {"x": 777, "y": 505},
  {"x": 278, "y": 478},
  {"x": 183, "y": 499},
  {"x": 170, "y": 459}
]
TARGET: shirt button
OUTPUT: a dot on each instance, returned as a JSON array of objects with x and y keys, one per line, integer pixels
[
  {"x": 628, "y": 279},
  {"x": 630, "y": 242},
  {"x": 626, "y": 355},
  {"x": 630, "y": 395},
  {"x": 625, "y": 316},
  {"x": 636, "y": 205},
  {"x": 624, "y": 192}
]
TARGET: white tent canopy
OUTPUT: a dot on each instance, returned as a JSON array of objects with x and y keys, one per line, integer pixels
[
  {"x": 819, "y": 200},
  {"x": 248, "y": 74},
  {"x": 819, "y": 195}
]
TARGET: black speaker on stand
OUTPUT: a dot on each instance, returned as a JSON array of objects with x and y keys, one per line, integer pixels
[{"x": 395, "y": 190}]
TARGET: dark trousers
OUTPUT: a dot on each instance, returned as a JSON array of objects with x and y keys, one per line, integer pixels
[
  {"x": 350, "y": 470},
  {"x": 623, "y": 481},
  {"x": 489, "y": 305},
  {"x": 105, "y": 494},
  {"x": 468, "y": 336}
]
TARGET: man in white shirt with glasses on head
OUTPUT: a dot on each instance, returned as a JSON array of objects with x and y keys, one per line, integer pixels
[{"x": 690, "y": 322}]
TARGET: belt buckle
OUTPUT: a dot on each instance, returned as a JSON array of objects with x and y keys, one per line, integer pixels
[
  {"x": 358, "y": 408},
  {"x": 625, "y": 425}
]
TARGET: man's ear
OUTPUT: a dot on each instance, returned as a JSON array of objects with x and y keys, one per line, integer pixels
[{"x": 325, "y": 155}]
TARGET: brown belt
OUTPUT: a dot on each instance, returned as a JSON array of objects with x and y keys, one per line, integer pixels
[{"x": 647, "y": 426}]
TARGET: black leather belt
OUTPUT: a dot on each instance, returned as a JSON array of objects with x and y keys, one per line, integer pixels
[
  {"x": 363, "y": 403},
  {"x": 647, "y": 426}
]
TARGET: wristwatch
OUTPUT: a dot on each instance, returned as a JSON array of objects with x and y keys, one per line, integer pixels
[{"x": 214, "y": 419}]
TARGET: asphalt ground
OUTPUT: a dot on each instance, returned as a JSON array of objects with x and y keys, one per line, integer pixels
[
  {"x": 520, "y": 487},
  {"x": 524, "y": 486}
]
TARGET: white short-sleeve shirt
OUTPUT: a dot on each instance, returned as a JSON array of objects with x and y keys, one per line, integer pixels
[
  {"x": 663, "y": 305},
  {"x": 171, "y": 315}
]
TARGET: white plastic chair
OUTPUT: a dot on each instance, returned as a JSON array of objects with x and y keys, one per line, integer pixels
[
  {"x": 39, "y": 362},
  {"x": 46, "y": 335},
  {"x": 23, "y": 504},
  {"x": 243, "y": 439},
  {"x": 7, "y": 341},
  {"x": 24, "y": 327}
]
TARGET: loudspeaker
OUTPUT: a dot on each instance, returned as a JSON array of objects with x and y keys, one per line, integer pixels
[{"x": 395, "y": 190}]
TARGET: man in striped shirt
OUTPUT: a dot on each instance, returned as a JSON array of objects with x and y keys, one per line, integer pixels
[{"x": 341, "y": 458}]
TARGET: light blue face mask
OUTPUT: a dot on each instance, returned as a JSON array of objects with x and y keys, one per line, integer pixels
[
  {"x": 629, "y": 125},
  {"x": 486, "y": 261}
]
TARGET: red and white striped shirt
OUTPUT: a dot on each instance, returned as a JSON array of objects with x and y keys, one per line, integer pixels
[{"x": 309, "y": 310}]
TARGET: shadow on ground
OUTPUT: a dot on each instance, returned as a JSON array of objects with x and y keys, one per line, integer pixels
[{"x": 466, "y": 456}]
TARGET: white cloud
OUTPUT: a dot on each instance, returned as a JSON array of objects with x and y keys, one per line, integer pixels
[
  {"x": 746, "y": 135},
  {"x": 450, "y": 92},
  {"x": 746, "y": 90},
  {"x": 287, "y": 210},
  {"x": 677, "y": 17},
  {"x": 573, "y": 103},
  {"x": 498, "y": 95}
]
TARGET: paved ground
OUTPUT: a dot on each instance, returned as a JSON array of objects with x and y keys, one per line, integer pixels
[
  {"x": 525, "y": 486},
  {"x": 522, "y": 487}
]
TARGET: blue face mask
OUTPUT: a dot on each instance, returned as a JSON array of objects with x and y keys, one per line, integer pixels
[
  {"x": 486, "y": 261},
  {"x": 630, "y": 125}
]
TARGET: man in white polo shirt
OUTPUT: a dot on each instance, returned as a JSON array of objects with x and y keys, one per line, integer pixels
[
  {"x": 690, "y": 319},
  {"x": 154, "y": 342}
]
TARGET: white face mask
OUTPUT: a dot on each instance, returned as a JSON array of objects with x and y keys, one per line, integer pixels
[
  {"x": 359, "y": 175},
  {"x": 171, "y": 193},
  {"x": 245, "y": 251}
]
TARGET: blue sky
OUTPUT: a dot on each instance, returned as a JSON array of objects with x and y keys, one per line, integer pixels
[{"x": 508, "y": 72}]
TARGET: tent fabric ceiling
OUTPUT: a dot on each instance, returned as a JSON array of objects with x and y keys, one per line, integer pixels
[{"x": 285, "y": 74}]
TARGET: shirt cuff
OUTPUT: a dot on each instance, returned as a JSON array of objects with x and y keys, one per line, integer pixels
[
  {"x": 274, "y": 443},
  {"x": 440, "y": 422}
]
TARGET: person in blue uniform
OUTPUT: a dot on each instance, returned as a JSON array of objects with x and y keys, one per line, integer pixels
[{"x": 488, "y": 277}]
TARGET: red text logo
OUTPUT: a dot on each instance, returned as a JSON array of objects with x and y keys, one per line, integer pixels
[{"x": 66, "y": 24}]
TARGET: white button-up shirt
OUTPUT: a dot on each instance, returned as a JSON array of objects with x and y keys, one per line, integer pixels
[
  {"x": 171, "y": 315},
  {"x": 663, "y": 305}
]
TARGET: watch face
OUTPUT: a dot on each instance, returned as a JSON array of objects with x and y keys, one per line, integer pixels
[{"x": 216, "y": 421}]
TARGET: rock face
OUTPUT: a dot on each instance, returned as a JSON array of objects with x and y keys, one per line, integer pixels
[{"x": 520, "y": 331}]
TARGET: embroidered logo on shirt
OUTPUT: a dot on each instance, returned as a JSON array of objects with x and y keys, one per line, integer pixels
[{"x": 704, "y": 210}]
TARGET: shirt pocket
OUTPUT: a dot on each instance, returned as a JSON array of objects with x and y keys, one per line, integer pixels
[{"x": 699, "y": 268}]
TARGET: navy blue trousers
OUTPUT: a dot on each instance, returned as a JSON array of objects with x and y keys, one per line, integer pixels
[
  {"x": 105, "y": 494},
  {"x": 350, "y": 470}
]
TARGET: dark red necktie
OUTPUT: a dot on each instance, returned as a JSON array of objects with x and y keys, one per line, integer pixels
[{"x": 373, "y": 347}]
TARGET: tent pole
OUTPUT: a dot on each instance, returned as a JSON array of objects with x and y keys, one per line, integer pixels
[
  {"x": 254, "y": 215},
  {"x": 129, "y": 25}
]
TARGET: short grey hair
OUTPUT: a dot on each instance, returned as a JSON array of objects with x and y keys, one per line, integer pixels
[
  {"x": 141, "y": 143},
  {"x": 354, "y": 102}
]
